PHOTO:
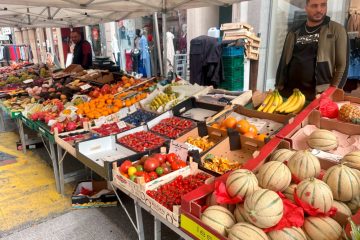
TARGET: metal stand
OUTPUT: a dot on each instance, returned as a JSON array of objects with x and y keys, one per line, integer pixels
[
  {"x": 52, "y": 155},
  {"x": 2, "y": 121},
  {"x": 22, "y": 134}
]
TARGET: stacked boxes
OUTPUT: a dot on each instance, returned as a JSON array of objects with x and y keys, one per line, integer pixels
[
  {"x": 236, "y": 31},
  {"x": 233, "y": 61}
]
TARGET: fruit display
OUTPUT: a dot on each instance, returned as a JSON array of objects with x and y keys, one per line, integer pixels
[
  {"x": 72, "y": 138},
  {"x": 289, "y": 192},
  {"x": 343, "y": 182},
  {"x": 173, "y": 127},
  {"x": 246, "y": 231},
  {"x": 281, "y": 155},
  {"x": 274, "y": 175},
  {"x": 138, "y": 118},
  {"x": 151, "y": 167},
  {"x": 218, "y": 218},
  {"x": 354, "y": 205},
  {"x": 219, "y": 165},
  {"x": 142, "y": 141},
  {"x": 322, "y": 228},
  {"x": 322, "y": 139},
  {"x": 163, "y": 102},
  {"x": 211, "y": 201},
  {"x": 110, "y": 129},
  {"x": 272, "y": 101},
  {"x": 170, "y": 193},
  {"x": 286, "y": 233},
  {"x": 201, "y": 142},
  {"x": 342, "y": 214},
  {"x": 350, "y": 113},
  {"x": 352, "y": 160},
  {"x": 239, "y": 213},
  {"x": 17, "y": 103}
]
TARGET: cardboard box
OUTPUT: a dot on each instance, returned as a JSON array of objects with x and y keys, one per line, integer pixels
[
  {"x": 73, "y": 68},
  {"x": 105, "y": 200}
]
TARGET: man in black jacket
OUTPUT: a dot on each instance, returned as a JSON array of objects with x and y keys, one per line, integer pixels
[
  {"x": 315, "y": 54},
  {"x": 82, "y": 51}
]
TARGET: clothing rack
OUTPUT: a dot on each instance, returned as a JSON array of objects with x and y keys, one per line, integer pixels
[{"x": 15, "y": 52}]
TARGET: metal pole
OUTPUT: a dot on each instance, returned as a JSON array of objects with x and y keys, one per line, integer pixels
[
  {"x": 164, "y": 41},
  {"x": 61, "y": 158},
  {"x": 55, "y": 166},
  {"x": 158, "y": 46}
]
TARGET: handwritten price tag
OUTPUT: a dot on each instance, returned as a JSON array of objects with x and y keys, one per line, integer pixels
[
  {"x": 179, "y": 148},
  {"x": 85, "y": 87},
  {"x": 192, "y": 147},
  {"x": 122, "y": 113},
  {"x": 121, "y": 124},
  {"x": 100, "y": 121}
]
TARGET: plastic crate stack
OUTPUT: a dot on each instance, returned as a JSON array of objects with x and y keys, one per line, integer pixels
[{"x": 233, "y": 61}]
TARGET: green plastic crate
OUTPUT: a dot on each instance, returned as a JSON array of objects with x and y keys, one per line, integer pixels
[
  {"x": 44, "y": 130},
  {"x": 233, "y": 86},
  {"x": 233, "y": 62}
]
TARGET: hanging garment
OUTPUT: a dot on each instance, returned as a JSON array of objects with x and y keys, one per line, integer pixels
[
  {"x": 183, "y": 44},
  {"x": 170, "y": 51},
  {"x": 12, "y": 51},
  {"x": 1, "y": 52},
  {"x": 7, "y": 56},
  {"x": 352, "y": 23},
  {"x": 17, "y": 52},
  {"x": 145, "y": 57},
  {"x": 205, "y": 61},
  {"x": 129, "y": 62},
  {"x": 135, "y": 57}
]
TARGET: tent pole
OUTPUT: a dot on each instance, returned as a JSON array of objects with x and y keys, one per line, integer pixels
[
  {"x": 164, "y": 42},
  {"x": 158, "y": 46}
]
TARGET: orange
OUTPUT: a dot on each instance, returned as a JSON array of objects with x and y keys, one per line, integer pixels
[
  {"x": 108, "y": 101},
  {"x": 229, "y": 122},
  {"x": 216, "y": 125},
  {"x": 253, "y": 129},
  {"x": 133, "y": 101},
  {"x": 128, "y": 102},
  {"x": 250, "y": 135},
  {"x": 242, "y": 126},
  {"x": 115, "y": 109},
  {"x": 261, "y": 137}
]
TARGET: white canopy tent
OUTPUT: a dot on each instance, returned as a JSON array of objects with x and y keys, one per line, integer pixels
[{"x": 75, "y": 13}]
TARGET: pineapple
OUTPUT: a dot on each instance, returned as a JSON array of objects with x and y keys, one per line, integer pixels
[{"x": 349, "y": 112}]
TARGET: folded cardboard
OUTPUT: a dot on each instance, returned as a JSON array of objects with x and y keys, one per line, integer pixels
[{"x": 107, "y": 199}]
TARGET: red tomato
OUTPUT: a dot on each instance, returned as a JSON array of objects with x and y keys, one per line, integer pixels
[
  {"x": 125, "y": 166},
  {"x": 153, "y": 175},
  {"x": 175, "y": 166},
  {"x": 171, "y": 157},
  {"x": 160, "y": 157},
  {"x": 147, "y": 177}
]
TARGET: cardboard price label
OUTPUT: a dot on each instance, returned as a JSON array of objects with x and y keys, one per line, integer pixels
[
  {"x": 180, "y": 149},
  {"x": 28, "y": 81},
  {"x": 100, "y": 121},
  {"x": 132, "y": 109},
  {"x": 195, "y": 229},
  {"x": 192, "y": 147},
  {"x": 122, "y": 113},
  {"x": 325, "y": 155},
  {"x": 121, "y": 124},
  {"x": 85, "y": 87}
]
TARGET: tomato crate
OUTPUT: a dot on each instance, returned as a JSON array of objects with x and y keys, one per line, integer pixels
[
  {"x": 29, "y": 123},
  {"x": 172, "y": 216},
  {"x": 233, "y": 51}
]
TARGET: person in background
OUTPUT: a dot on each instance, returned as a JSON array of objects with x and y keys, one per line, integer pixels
[
  {"x": 82, "y": 50},
  {"x": 315, "y": 54}
]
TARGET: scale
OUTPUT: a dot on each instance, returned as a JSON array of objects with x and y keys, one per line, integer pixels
[{"x": 104, "y": 63}]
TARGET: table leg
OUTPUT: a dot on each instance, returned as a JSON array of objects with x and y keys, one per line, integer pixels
[
  {"x": 139, "y": 221},
  {"x": 55, "y": 165},
  {"x": 61, "y": 158},
  {"x": 2, "y": 121},
  {"x": 22, "y": 135},
  {"x": 157, "y": 229}
]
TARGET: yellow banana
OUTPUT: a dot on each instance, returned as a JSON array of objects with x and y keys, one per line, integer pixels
[
  {"x": 281, "y": 99},
  {"x": 275, "y": 103},
  {"x": 266, "y": 101},
  {"x": 269, "y": 103},
  {"x": 295, "y": 105},
  {"x": 303, "y": 100},
  {"x": 287, "y": 103}
]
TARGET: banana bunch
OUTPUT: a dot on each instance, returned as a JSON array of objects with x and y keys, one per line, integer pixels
[
  {"x": 294, "y": 104},
  {"x": 272, "y": 101},
  {"x": 161, "y": 100}
]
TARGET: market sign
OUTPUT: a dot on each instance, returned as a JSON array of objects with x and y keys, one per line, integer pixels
[
  {"x": 6, "y": 30},
  {"x": 4, "y": 37}
]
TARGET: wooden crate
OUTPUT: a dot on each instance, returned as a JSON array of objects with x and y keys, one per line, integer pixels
[{"x": 234, "y": 26}]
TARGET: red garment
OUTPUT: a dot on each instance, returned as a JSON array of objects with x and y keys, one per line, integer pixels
[{"x": 12, "y": 53}]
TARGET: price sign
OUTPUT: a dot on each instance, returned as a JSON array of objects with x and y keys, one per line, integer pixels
[
  {"x": 195, "y": 229},
  {"x": 121, "y": 124},
  {"x": 122, "y": 113},
  {"x": 179, "y": 148},
  {"x": 132, "y": 109},
  {"x": 85, "y": 87},
  {"x": 100, "y": 121},
  {"x": 328, "y": 156},
  {"x": 192, "y": 147},
  {"x": 28, "y": 81}
]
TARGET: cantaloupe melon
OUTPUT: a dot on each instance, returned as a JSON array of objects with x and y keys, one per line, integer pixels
[
  {"x": 316, "y": 193},
  {"x": 239, "y": 213},
  {"x": 289, "y": 191},
  {"x": 246, "y": 231},
  {"x": 354, "y": 205},
  {"x": 274, "y": 175},
  {"x": 304, "y": 164},
  {"x": 211, "y": 201},
  {"x": 264, "y": 208},
  {"x": 281, "y": 155},
  {"x": 293, "y": 233},
  {"x": 218, "y": 218},
  {"x": 241, "y": 183},
  {"x": 343, "y": 182},
  {"x": 322, "y": 228},
  {"x": 342, "y": 214},
  {"x": 352, "y": 160},
  {"x": 322, "y": 140}
]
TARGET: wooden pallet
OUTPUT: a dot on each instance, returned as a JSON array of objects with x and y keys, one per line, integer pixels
[
  {"x": 235, "y": 26},
  {"x": 233, "y": 35}
]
